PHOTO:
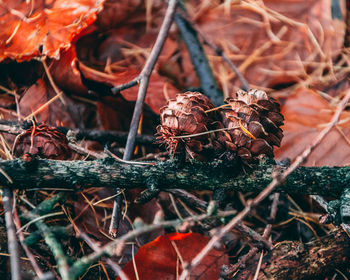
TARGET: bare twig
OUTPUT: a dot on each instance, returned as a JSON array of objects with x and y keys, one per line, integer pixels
[
  {"x": 247, "y": 231},
  {"x": 11, "y": 236},
  {"x": 277, "y": 180},
  {"x": 189, "y": 198},
  {"x": 127, "y": 85},
  {"x": 83, "y": 151},
  {"x": 58, "y": 92},
  {"x": 144, "y": 80}
]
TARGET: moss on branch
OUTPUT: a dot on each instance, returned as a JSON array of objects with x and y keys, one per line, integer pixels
[{"x": 40, "y": 173}]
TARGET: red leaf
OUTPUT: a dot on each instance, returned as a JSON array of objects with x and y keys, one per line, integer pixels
[
  {"x": 35, "y": 28},
  {"x": 159, "y": 259}
]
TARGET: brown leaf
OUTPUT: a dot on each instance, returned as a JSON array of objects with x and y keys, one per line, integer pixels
[
  {"x": 306, "y": 114},
  {"x": 36, "y": 28},
  {"x": 71, "y": 114}
]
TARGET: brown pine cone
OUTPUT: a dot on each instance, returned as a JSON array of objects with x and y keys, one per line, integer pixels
[
  {"x": 186, "y": 115},
  {"x": 253, "y": 120},
  {"x": 43, "y": 141}
]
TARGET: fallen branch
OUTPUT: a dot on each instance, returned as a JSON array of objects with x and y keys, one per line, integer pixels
[{"x": 39, "y": 173}]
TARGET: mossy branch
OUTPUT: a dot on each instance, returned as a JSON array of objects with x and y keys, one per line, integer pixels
[{"x": 40, "y": 173}]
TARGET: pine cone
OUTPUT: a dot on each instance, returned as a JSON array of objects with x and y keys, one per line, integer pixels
[
  {"x": 43, "y": 141},
  {"x": 253, "y": 120},
  {"x": 186, "y": 115}
]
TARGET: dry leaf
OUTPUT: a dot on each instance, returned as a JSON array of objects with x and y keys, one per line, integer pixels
[
  {"x": 38, "y": 28},
  {"x": 306, "y": 114}
]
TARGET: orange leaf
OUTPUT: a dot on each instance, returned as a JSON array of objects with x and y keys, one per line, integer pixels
[{"x": 35, "y": 28}]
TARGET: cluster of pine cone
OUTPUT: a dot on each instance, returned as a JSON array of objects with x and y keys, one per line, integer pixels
[{"x": 247, "y": 126}]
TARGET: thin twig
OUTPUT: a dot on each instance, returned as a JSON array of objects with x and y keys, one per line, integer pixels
[
  {"x": 229, "y": 270},
  {"x": 83, "y": 151},
  {"x": 58, "y": 92},
  {"x": 277, "y": 180},
  {"x": 144, "y": 80},
  {"x": 11, "y": 236},
  {"x": 118, "y": 89}
]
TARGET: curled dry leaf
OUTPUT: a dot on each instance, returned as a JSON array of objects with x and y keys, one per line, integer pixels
[
  {"x": 39, "y": 28},
  {"x": 43, "y": 141},
  {"x": 306, "y": 114},
  {"x": 164, "y": 258}
]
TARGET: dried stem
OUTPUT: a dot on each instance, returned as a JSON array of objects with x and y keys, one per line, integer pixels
[
  {"x": 108, "y": 250},
  {"x": 29, "y": 254},
  {"x": 229, "y": 270},
  {"x": 132, "y": 83}
]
